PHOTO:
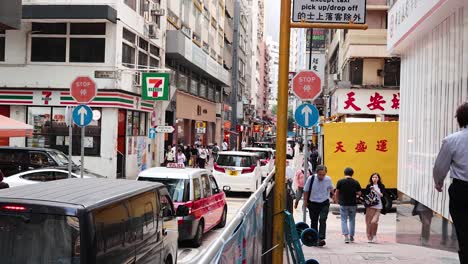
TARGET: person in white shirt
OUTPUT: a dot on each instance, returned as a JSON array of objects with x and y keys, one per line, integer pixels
[
  {"x": 225, "y": 145},
  {"x": 243, "y": 144},
  {"x": 202, "y": 155},
  {"x": 181, "y": 159}
]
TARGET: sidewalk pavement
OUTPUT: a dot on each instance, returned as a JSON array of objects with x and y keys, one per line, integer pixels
[{"x": 386, "y": 250}]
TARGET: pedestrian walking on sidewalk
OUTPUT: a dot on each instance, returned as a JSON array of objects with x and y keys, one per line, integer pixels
[
  {"x": 317, "y": 191},
  {"x": 453, "y": 156},
  {"x": 215, "y": 152},
  {"x": 299, "y": 179},
  {"x": 347, "y": 190},
  {"x": 374, "y": 189},
  {"x": 202, "y": 156}
]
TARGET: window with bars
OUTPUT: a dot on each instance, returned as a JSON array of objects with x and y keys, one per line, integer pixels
[{"x": 138, "y": 52}]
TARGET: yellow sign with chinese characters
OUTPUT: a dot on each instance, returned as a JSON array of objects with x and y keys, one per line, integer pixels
[{"x": 365, "y": 147}]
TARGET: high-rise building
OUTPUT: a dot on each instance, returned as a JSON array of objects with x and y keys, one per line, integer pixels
[
  {"x": 240, "y": 97},
  {"x": 112, "y": 42},
  {"x": 195, "y": 54},
  {"x": 273, "y": 50}
]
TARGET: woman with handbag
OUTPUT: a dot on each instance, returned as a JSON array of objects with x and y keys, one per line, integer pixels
[{"x": 374, "y": 202}]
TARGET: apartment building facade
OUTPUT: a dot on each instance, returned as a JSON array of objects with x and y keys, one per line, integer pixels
[
  {"x": 196, "y": 55},
  {"x": 240, "y": 97},
  {"x": 363, "y": 77},
  {"x": 110, "y": 41}
]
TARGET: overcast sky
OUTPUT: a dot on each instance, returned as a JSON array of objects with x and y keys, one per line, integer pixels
[{"x": 272, "y": 18}]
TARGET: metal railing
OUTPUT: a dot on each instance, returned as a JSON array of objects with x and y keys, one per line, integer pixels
[{"x": 213, "y": 254}]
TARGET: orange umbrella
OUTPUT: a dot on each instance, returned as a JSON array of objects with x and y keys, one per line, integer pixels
[{"x": 12, "y": 128}]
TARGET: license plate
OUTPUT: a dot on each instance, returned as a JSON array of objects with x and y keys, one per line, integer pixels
[{"x": 232, "y": 172}]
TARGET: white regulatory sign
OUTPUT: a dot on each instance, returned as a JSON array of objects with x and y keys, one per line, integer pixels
[{"x": 329, "y": 11}]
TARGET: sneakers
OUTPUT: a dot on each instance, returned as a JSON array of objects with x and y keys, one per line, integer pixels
[
  {"x": 346, "y": 240},
  {"x": 351, "y": 238},
  {"x": 321, "y": 243}
]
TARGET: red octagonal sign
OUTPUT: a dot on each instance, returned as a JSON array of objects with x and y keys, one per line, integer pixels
[
  {"x": 83, "y": 89},
  {"x": 307, "y": 85}
]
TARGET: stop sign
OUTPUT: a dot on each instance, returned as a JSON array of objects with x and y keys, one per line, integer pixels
[
  {"x": 83, "y": 89},
  {"x": 307, "y": 85}
]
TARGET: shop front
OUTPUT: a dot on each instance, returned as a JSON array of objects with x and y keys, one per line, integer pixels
[
  {"x": 195, "y": 120},
  {"x": 115, "y": 143}
]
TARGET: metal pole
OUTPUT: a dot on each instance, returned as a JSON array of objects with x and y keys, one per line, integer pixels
[
  {"x": 82, "y": 150},
  {"x": 280, "y": 179},
  {"x": 306, "y": 151},
  {"x": 70, "y": 137}
]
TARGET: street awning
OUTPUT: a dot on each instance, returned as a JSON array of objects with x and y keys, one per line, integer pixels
[{"x": 12, "y": 128}]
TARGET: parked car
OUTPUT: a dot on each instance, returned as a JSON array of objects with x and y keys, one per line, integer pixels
[
  {"x": 197, "y": 198},
  {"x": 264, "y": 144},
  {"x": 239, "y": 171},
  {"x": 267, "y": 158},
  {"x": 42, "y": 175},
  {"x": 14, "y": 160},
  {"x": 95, "y": 221}
]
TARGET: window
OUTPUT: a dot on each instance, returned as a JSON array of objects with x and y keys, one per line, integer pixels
[
  {"x": 43, "y": 176},
  {"x": 112, "y": 234},
  {"x": 167, "y": 211},
  {"x": 2, "y": 45},
  {"x": 355, "y": 71},
  {"x": 196, "y": 189},
  {"x": 39, "y": 159},
  {"x": 206, "y": 185},
  {"x": 50, "y": 131},
  {"x": 178, "y": 188},
  {"x": 144, "y": 210},
  {"x": 85, "y": 42},
  {"x": 136, "y": 123},
  {"x": 131, "y": 4},
  {"x": 392, "y": 72},
  {"x": 214, "y": 185},
  {"x": 194, "y": 84},
  {"x": 235, "y": 161},
  {"x": 138, "y": 52},
  {"x": 47, "y": 238}
]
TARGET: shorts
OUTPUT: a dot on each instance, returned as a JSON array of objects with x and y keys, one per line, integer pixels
[{"x": 299, "y": 193}]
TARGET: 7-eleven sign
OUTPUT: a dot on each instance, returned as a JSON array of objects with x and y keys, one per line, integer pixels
[{"x": 155, "y": 86}]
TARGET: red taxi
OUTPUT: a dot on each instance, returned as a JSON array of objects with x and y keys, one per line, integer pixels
[{"x": 200, "y": 204}]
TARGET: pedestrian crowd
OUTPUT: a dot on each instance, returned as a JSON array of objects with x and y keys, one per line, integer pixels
[
  {"x": 195, "y": 156},
  {"x": 318, "y": 191}
]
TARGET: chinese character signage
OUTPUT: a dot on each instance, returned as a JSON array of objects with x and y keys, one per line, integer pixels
[
  {"x": 365, "y": 101},
  {"x": 366, "y": 147},
  {"x": 341, "y": 12},
  {"x": 155, "y": 86},
  {"x": 318, "y": 64}
]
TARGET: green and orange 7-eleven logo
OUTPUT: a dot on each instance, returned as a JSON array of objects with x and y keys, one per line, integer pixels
[{"x": 155, "y": 86}]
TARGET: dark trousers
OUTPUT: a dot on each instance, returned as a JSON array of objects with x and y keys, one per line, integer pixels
[
  {"x": 458, "y": 210},
  {"x": 318, "y": 213}
]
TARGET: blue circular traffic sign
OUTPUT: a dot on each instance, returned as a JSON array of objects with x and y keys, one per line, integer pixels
[
  {"x": 306, "y": 115},
  {"x": 82, "y": 115}
]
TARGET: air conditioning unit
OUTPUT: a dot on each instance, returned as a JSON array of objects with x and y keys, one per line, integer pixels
[
  {"x": 153, "y": 32},
  {"x": 157, "y": 11},
  {"x": 137, "y": 79}
]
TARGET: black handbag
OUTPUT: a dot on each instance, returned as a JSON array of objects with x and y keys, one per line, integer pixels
[{"x": 371, "y": 199}]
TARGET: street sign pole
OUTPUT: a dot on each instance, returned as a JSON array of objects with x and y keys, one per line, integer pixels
[
  {"x": 69, "y": 112},
  {"x": 82, "y": 151},
  {"x": 283, "y": 72},
  {"x": 306, "y": 170},
  {"x": 282, "y": 124}
]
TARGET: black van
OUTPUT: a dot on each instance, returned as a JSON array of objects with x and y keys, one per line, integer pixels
[
  {"x": 88, "y": 221},
  {"x": 14, "y": 160}
]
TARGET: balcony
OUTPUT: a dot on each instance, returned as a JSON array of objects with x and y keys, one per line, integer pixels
[{"x": 371, "y": 43}]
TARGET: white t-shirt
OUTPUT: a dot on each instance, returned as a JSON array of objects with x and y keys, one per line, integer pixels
[
  {"x": 225, "y": 146},
  {"x": 377, "y": 189},
  {"x": 181, "y": 158},
  {"x": 202, "y": 153}
]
